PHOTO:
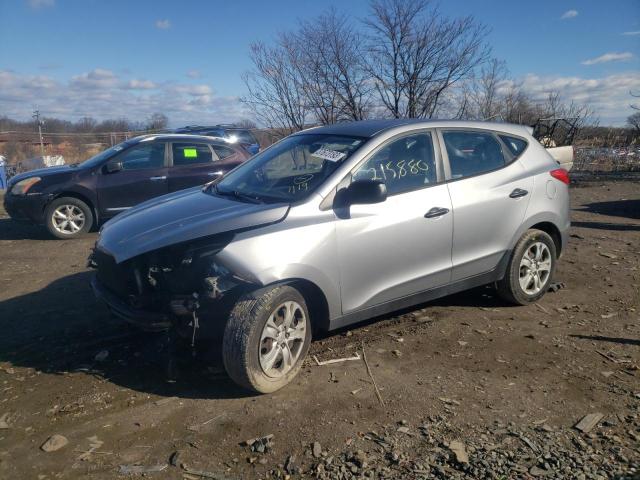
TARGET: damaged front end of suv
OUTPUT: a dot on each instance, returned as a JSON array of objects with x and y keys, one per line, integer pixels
[{"x": 180, "y": 286}]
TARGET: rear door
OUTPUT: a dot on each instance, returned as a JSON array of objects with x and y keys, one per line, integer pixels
[
  {"x": 489, "y": 191},
  {"x": 143, "y": 176}
]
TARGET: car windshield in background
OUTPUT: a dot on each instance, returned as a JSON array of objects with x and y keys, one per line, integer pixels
[
  {"x": 290, "y": 170},
  {"x": 242, "y": 136},
  {"x": 105, "y": 154}
]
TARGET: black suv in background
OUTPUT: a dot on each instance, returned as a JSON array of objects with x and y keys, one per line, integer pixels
[
  {"x": 234, "y": 134},
  {"x": 71, "y": 199}
]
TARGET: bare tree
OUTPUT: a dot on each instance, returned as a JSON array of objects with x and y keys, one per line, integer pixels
[
  {"x": 333, "y": 67},
  {"x": 633, "y": 121},
  {"x": 157, "y": 121},
  {"x": 417, "y": 54},
  {"x": 275, "y": 90},
  {"x": 488, "y": 101}
]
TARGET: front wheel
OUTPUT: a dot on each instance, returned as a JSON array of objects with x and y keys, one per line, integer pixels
[
  {"x": 267, "y": 338},
  {"x": 530, "y": 269},
  {"x": 68, "y": 217}
]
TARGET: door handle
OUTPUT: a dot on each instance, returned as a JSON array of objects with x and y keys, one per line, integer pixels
[
  {"x": 214, "y": 174},
  {"x": 517, "y": 193},
  {"x": 436, "y": 212},
  {"x": 155, "y": 179}
]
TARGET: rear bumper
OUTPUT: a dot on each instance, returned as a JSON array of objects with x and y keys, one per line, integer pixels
[
  {"x": 26, "y": 208},
  {"x": 149, "y": 321}
]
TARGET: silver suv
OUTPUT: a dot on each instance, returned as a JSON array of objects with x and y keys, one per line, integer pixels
[{"x": 334, "y": 225}]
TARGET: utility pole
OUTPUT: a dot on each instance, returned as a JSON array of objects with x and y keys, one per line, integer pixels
[{"x": 36, "y": 115}]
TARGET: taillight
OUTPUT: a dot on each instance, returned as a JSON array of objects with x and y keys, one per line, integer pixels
[{"x": 560, "y": 174}]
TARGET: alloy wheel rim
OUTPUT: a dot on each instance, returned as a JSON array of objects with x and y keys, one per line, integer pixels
[
  {"x": 535, "y": 268},
  {"x": 282, "y": 339},
  {"x": 68, "y": 219}
]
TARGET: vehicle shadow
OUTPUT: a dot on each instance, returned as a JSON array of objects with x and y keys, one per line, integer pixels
[
  {"x": 620, "y": 227},
  {"x": 600, "y": 338},
  {"x": 12, "y": 230},
  {"x": 61, "y": 328},
  {"x": 616, "y": 208}
]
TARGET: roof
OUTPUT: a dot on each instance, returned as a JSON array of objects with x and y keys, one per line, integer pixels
[
  {"x": 180, "y": 136},
  {"x": 370, "y": 128}
]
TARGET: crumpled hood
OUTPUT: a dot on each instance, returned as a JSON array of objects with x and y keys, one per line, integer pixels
[
  {"x": 179, "y": 217},
  {"x": 42, "y": 172}
]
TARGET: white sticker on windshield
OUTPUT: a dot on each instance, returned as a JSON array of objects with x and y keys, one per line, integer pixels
[{"x": 327, "y": 154}]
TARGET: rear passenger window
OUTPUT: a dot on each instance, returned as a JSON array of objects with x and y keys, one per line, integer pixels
[
  {"x": 403, "y": 165},
  {"x": 191, "y": 154},
  {"x": 472, "y": 153},
  {"x": 515, "y": 145},
  {"x": 223, "y": 152}
]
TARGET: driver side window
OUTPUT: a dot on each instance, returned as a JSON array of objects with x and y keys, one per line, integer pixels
[
  {"x": 404, "y": 165},
  {"x": 145, "y": 156}
]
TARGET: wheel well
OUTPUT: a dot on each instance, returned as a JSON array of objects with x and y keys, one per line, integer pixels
[
  {"x": 81, "y": 198},
  {"x": 553, "y": 232},
  {"x": 316, "y": 302}
]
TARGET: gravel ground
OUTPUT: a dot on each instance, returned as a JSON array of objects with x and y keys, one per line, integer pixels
[{"x": 469, "y": 387}]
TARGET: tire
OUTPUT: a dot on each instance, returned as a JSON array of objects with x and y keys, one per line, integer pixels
[
  {"x": 246, "y": 352},
  {"x": 510, "y": 288},
  {"x": 62, "y": 207}
]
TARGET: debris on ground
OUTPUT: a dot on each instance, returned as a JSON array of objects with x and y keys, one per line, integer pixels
[
  {"x": 164, "y": 401},
  {"x": 459, "y": 450},
  {"x": 555, "y": 286},
  {"x": 588, "y": 422},
  {"x": 4, "y": 421},
  {"x": 141, "y": 469},
  {"x": 259, "y": 444},
  {"x": 316, "y": 449},
  {"x": 53, "y": 443},
  {"x": 336, "y": 360},
  {"x": 375, "y": 385}
]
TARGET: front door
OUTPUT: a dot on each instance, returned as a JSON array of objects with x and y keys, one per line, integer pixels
[
  {"x": 401, "y": 246},
  {"x": 143, "y": 176},
  {"x": 490, "y": 192}
]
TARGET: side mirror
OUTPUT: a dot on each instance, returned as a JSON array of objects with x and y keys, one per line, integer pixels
[
  {"x": 112, "y": 167},
  {"x": 362, "y": 192}
]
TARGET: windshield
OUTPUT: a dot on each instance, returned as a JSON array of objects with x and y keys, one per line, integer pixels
[
  {"x": 105, "y": 154},
  {"x": 242, "y": 136},
  {"x": 291, "y": 169}
]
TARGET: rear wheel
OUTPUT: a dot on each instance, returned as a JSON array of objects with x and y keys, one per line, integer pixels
[
  {"x": 68, "y": 217},
  {"x": 267, "y": 338},
  {"x": 530, "y": 269}
]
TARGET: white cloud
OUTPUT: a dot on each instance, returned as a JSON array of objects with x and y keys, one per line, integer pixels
[
  {"x": 102, "y": 94},
  {"x": 194, "y": 74},
  {"x": 38, "y": 4},
  {"x": 136, "y": 84},
  {"x": 97, "y": 78},
  {"x": 569, "y": 14},
  {"x": 608, "y": 96},
  {"x": 163, "y": 24},
  {"x": 609, "y": 57},
  {"x": 631, "y": 34}
]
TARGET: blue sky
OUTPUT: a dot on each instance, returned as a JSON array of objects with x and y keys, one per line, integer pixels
[{"x": 130, "y": 58}]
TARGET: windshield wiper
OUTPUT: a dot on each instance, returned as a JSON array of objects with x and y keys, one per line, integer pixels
[{"x": 237, "y": 194}]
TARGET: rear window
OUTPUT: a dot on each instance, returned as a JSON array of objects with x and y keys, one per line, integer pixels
[
  {"x": 223, "y": 152},
  {"x": 515, "y": 145},
  {"x": 191, "y": 154},
  {"x": 472, "y": 153}
]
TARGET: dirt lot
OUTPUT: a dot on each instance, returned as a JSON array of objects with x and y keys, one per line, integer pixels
[{"x": 467, "y": 376}]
